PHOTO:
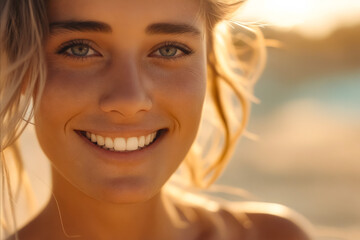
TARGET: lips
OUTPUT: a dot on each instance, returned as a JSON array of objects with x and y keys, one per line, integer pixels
[{"x": 122, "y": 144}]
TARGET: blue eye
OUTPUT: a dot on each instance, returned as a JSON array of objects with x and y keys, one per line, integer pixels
[
  {"x": 168, "y": 51},
  {"x": 79, "y": 48},
  {"x": 171, "y": 50}
]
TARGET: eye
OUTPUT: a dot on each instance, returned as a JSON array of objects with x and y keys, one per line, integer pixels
[
  {"x": 168, "y": 51},
  {"x": 79, "y": 48},
  {"x": 171, "y": 50}
]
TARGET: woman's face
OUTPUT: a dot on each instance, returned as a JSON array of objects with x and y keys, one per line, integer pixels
[{"x": 119, "y": 73}]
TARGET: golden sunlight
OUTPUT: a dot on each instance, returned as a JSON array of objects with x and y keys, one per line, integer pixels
[{"x": 314, "y": 18}]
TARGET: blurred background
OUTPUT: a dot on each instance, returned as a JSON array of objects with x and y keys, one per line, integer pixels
[
  {"x": 308, "y": 122},
  {"x": 307, "y": 156}
]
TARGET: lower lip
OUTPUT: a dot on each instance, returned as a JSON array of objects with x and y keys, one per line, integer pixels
[{"x": 125, "y": 156}]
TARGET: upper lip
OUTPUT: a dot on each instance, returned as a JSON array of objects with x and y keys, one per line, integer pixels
[{"x": 123, "y": 134}]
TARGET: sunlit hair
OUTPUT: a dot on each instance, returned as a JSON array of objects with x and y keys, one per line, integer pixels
[
  {"x": 235, "y": 59},
  {"x": 234, "y": 63},
  {"x": 23, "y": 27}
]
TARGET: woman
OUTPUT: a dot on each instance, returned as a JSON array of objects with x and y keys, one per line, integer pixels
[{"x": 118, "y": 113}]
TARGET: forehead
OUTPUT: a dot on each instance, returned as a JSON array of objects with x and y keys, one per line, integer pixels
[{"x": 127, "y": 13}]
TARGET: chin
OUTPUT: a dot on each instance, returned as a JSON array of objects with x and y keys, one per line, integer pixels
[{"x": 127, "y": 192}]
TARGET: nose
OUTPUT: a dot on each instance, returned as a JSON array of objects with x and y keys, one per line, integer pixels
[{"x": 125, "y": 93}]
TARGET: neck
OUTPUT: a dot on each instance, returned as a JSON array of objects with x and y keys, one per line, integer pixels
[{"x": 77, "y": 215}]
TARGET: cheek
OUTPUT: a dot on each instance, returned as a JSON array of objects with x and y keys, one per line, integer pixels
[
  {"x": 189, "y": 96},
  {"x": 183, "y": 95},
  {"x": 64, "y": 94},
  {"x": 185, "y": 87},
  {"x": 68, "y": 84},
  {"x": 179, "y": 96}
]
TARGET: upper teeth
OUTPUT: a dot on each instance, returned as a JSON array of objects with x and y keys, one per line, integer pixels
[{"x": 121, "y": 144}]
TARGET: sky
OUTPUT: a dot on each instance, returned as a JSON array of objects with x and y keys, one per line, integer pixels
[{"x": 312, "y": 18}]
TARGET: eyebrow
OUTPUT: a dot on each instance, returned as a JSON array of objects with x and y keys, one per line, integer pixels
[
  {"x": 94, "y": 26},
  {"x": 80, "y": 26},
  {"x": 171, "y": 28}
]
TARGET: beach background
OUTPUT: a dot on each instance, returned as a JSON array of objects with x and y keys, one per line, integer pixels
[{"x": 307, "y": 155}]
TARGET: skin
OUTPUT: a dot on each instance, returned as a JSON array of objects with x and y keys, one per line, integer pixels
[
  {"x": 126, "y": 84},
  {"x": 122, "y": 87}
]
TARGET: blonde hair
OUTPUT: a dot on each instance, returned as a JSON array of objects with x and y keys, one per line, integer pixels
[
  {"x": 232, "y": 73},
  {"x": 24, "y": 27},
  {"x": 22, "y": 73}
]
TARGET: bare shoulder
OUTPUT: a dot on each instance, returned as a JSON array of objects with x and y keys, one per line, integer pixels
[
  {"x": 248, "y": 220},
  {"x": 271, "y": 221},
  {"x": 39, "y": 228},
  {"x": 25, "y": 233},
  {"x": 28, "y": 232}
]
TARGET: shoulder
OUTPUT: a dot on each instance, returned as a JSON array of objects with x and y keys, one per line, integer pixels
[
  {"x": 244, "y": 220},
  {"x": 28, "y": 232},
  {"x": 271, "y": 221},
  {"x": 35, "y": 230}
]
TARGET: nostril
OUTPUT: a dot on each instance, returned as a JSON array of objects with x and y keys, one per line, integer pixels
[{"x": 127, "y": 104}]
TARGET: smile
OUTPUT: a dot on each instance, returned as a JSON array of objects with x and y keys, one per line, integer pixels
[{"x": 121, "y": 144}]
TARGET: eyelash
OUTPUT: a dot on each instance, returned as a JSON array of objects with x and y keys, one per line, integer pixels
[
  {"x": 63, "y": 48},
  {"x": 186, "y": 51}
]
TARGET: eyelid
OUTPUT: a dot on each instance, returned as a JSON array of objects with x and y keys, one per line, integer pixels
[
  {"x": 66, "y": 45},
  {"x": 182, "y": 47}
]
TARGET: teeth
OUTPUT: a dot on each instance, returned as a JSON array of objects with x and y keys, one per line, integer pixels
[
  {"x": 147, "y": 139},
  {"x": 93, "y": 137},
  {"x": 100, "y": 140},
  {"x": 132, "y": 144},
  {"x": 141, "y": 141},
  {"x": 109, "y": 143},
  {"x": 121, "y": 144}
]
